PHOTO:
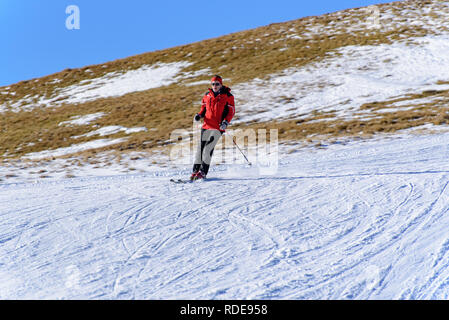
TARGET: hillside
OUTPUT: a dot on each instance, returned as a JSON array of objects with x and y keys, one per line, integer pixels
[{"x": 341, "y": 76}]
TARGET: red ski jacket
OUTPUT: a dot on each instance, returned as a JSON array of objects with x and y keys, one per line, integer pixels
[{"x": 217, "y": 107}]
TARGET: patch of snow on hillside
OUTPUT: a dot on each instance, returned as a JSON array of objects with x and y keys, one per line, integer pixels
[
  {"x": 117, "y": 84},
  {"x": 346, "y": 79},
  {"x": 105, "y": 131},
  {"x": 83, "y": 120},
  {"x": 113, "y": 84},
  {"x": 100, "y": 143},
  {"x": 196, "y": 83}
]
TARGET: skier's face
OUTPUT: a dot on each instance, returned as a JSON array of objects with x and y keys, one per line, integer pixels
[{"x": 216, "y": 86}]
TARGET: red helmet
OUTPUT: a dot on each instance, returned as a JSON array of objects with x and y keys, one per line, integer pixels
[{"x": 217, "y": 78}]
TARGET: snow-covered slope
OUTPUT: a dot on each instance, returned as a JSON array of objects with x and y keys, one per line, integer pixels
[{"x": 365, "y": 220}]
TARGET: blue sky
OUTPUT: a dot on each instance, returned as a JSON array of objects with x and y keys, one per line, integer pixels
[{"x": 35, "y": 40}]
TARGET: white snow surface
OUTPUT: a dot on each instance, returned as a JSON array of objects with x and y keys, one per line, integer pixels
[{"x": 365, "y": 220}]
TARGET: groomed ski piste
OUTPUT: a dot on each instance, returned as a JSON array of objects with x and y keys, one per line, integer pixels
[
  {"x": 346, "y": 219},
  {"x": 362, "y": 220}
]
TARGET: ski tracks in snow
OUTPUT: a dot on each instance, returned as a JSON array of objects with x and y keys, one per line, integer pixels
[{"x": 372, "y": 226}]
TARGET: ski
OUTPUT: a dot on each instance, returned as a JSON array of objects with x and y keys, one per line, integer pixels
[
  {"x": 184, "y": 181},
  {"x": 180, "y": 181}
]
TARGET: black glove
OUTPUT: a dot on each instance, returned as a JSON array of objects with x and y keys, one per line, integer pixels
[
  {"x": 197, "y": 117},
  {"x": 224, "y": 124}
]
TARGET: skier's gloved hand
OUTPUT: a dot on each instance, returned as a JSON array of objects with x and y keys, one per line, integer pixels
[
  {"x": 197, "y": 117},
  {"x": 224, "y": 124}
]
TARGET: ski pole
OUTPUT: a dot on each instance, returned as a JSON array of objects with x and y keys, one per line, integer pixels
[{"x": 234, "y": 140}]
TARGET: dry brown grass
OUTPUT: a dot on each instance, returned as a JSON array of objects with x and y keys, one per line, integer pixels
[{"x": 239, "y": 57}]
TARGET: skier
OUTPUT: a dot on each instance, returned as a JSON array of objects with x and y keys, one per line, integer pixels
[{"x": 217, "y": 109}]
